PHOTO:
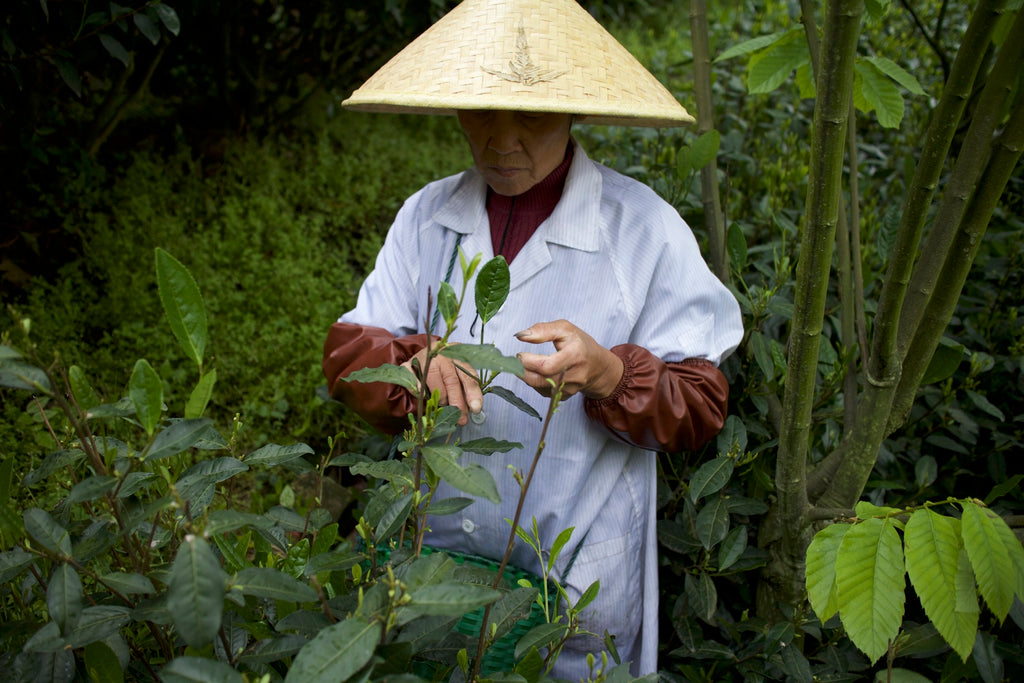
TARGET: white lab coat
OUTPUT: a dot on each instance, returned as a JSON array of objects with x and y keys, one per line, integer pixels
[{"x": 619, "y": 263}]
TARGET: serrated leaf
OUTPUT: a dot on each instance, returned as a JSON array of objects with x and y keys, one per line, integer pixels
[
  {"x": 91, "y": 488},
  {"x": 491, "y": 288},
  {"x": 712, "y": 522},
  {"x": 51, "y": 463},
  {"x": 539, "y": 637},
  {"x": 588, "y": 596},
  {"x": 332, "y": 561},
  {"x": 262, "y": 582},
  {"x": 484, "y": 357},
  {"x": 147, "y": 394},
  {"x": 874, "y": 92},
  {"x": 450, "y": 598},
  {"x": 447, "y": 304},
  {"x": 85, "y": 395},
  {"x": 69, "y": 74},
  {"x": 337, "y": 652},
  {"x": 14, "y": 563},
  {"x": 128, "y": 584},
  {"x": 771, "y": 67},
  {"x": 168, "y": 17},
  {"x": 985, "y": 405},
  {"x": 397, "y": 471},
  {"x": 182, "y": 301},
  {"x": 508, "y": 396},
  {"x": 748, "y": 46},
  {"x": 711, "y": 477},
  {"x": 64, "y": 597},
  {"x": 864, "y": 510},
  {"x": 200, "y": 396},
  {"x": 732, "y": 547},
  {"x": 449, "y": 506},
  {"x": 989, "y": 557},
  {"x": 20, "y": 375},
  {"x": 932, "y": 547},
  {"x": 392, "y": 374},
  {"x": 394, "y": 517},
  {"x": 736, "y": 245},
  {"x": 513, "y": 607},
  {"x": 820, "y": 574},
  {"x": 274, "y": 454},
  {"x": 472, "y": 479},
  {"x": 705, "y": 149},
  {"x": 102, "y": 664},
  {"x": 195, "y": 593},
  {"x": 98, "y": 622},
  {"x": 274, "y": 649},
  {"x": 45, "y": 531},
  {"x": 199, "y": 670},
  {"x": 489, "y": 445},
  {"x": 177, "y": 438},
  {"x": 870, "y": 585},
  {"x": 116, "y": 49},
  {"x": 944, "y": 362},
  {"x": 897, "y": 73},
  {"x": 701, "y": 595}
]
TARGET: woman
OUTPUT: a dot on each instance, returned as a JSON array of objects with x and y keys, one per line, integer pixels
[{"x": 609, "y": 294}]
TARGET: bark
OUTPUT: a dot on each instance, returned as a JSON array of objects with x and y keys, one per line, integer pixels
[
  {"x": 714, "y": 221},
  {"x": 787, "y": 519}
]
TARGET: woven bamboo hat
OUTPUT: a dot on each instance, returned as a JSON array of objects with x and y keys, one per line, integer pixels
[{"x": 527, "y": 55}]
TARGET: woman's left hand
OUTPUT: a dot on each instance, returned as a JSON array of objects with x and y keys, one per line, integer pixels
[{"x": 579, "y": 363}]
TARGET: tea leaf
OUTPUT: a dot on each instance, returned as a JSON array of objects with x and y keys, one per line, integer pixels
[
  {"x": 99, "y": 622},
  {"x": 177, "y": 438},
  {"x": 472, "y": 479},
  {"x": 273, "y": 454},
  {"x": 183, "y": 304},
  {"x": 47, "y": 532},
  {"x": 392, "y": 374},
  {"x": 539, "y": 637},
  {"x": 710, "y": 477},
  {"x": 336, "y": 653},
  {"x": 200, "y": 396},
  {"x": 451, "y": 598},
  {"x": 195, "y": 593},
  {"x": 519, "y": 403},
  {"x": 199, "y": 670},
  {"x": 264, "y": 582},
  {"x": 64, "y": 597},
  {"x": 492, "y": 287},
  {"x": 484, "y": 357}
]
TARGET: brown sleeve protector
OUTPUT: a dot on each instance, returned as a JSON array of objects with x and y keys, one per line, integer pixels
[
  {"x": 352, "y": 347},
  {"x": 663, "y": 406}
]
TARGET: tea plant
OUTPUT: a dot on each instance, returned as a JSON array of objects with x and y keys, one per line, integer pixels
[{"x": 124, "y": 559}]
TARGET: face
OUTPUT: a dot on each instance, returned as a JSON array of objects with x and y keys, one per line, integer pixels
[{"x": 515, "y": 150}]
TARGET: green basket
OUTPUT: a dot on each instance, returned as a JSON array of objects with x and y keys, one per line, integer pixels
[{"x": 500, "y": 656}]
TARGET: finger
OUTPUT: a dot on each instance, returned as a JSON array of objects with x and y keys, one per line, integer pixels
[
  {"x": 471, "y": 391},
  {"x": 538, "y": 333}
]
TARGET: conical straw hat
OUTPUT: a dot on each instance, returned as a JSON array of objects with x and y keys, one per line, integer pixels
[{"x": 527, "y": 55}]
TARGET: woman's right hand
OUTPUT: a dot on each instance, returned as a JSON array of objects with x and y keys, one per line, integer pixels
[{"x": 457, "y": 383}]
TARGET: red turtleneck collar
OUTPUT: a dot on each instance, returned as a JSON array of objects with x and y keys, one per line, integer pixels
[{"x": 514, "y": 219}]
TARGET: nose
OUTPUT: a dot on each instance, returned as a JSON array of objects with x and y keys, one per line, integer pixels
[{"x": 505, "y": 133}]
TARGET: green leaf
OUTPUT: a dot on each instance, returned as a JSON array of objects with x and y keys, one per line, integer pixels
[
  {"x": 182, "y": 302},
  {"x": 944, "y": 362},
  {"x": 489, "y": 445},
  {"x": 394, "y": 517},
  {"x": 45, "y": 531},
  {"x": 168, "y": 17},
  {"x": 897, "y": 73},
  {"x": 199, "y": 670},
  {"x": 262, "y": 582},
  {"x": 99, "y": 622},
  {"x": 751, "y": 45},
  {"x": 64, "y": 597},
  {"x": 91, "y": 488},
  {"x": 513, "y": 607},
  {"x": 472, "y": 479},
  {"x": 705, "y": 149},
  {"x": 272, "y": 454},
  {"x": 83, "y": 392},
  {"x": 588, "y": 596},
  {"x": 872, "y": 91},
  {"x": 337, "y": 652},
  {"x": 449, "y": 506},
  {"x": 870, "y": 585},
  {"x": 178, "y": 438},
  {"x": 701, "y": 595},
  {"x": 19, "y": 375},
  {"x": 147, "y": 27},
  {"x": 102, "y": 664},
  {"x": 69, "y": 74},
  {"x": 514, "y": 400},
  {"x": 762, "y": 356},
  {"x": 820, "y": 575},
  {"x": 712, "y": 523},
  {"x": 711, "y": 477},
  {"x": 736, "y": 245},
  {"x": 392, "y": 374},
  {"x": 491, "y": 289},
  {"x": 200, "y": 396},
  {"x": 116, "y": 49},
  {"x": 771, "y": 67},
  {"x": 732, "y": 547},
  {"x": 14, "y": 563},
  {"x": 128, "y": 584},
  {"x": 195, "y": 593},
  {"x": 539, "y": 637},
  {"x": 932, "y": 547},
  {"x": 332, "y": 561},
  {"x": 898, "y": 675},
  {"x": 864, "y": 510},
  {"x": 990, "y": 557},
  {"x": 447, "y": 304},
  {"x": 484, "y": 357},
  {"x": 397, "y": 471},
  {"x": 147, "y": 394},
  {"x": 985, "y": 405},
  {"x": 450, "y": 598}
]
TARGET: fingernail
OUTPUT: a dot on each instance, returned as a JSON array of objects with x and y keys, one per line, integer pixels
[
  {"x": 524, "y": 334},
  {"x": 475, "y": 406}
]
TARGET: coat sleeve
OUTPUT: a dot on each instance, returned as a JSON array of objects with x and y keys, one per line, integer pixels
[
  {"x": 350, "y": 347},
  {"x": 663, "y": 406}
]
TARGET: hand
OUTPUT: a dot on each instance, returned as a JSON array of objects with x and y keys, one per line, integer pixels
[
  {"x": 457, "y": 383},
  {"x": 579, "y": 362}
]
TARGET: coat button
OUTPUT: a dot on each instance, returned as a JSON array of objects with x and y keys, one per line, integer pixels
[{"x": 468, "y": 526}]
